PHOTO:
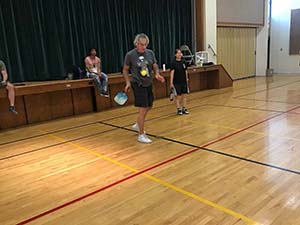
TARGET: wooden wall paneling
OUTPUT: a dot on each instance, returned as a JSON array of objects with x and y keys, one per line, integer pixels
[
  {"x": 225, "y": 80},
  {"x": 159, "y": 89},
  {"x": 130, "y": 98},
  {"x": 83, "y": 100},
  {"x": 194, "y": 81},
  {"x": 50, "y": 100},
  {"x": 203, "y": 81},
  {"x": 103, "y": 103},
  {"x": 8, "y": 119},
  {"x": 166, "y": 75},
  {"x": 213, "y": 79},
  {"x": 61, "y": 104},
  {"x": 38, "y": 107}
]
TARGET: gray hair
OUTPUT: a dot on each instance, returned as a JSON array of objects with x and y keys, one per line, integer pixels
[{"x": 140, "y": 36}]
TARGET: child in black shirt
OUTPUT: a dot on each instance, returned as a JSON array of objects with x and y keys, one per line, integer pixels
[{"x": 179, "y": 82}]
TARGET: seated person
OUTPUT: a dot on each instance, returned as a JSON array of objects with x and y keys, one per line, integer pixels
[
  {"x": 93, "y": 70},
  {"x": 4, "y": 83}
]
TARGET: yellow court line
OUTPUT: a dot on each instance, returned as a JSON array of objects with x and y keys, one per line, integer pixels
[
  {"x": 95, "y": 153},
  {"x": 203, "y": 200},
  {"x": 248, "y": 220}
]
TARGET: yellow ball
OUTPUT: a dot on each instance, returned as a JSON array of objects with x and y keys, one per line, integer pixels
[{"x": 143, "y": 72}]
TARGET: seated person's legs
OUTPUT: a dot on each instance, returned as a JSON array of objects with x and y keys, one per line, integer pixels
[
  {"x": 104, "y": 81},
  {"x": 97, "y": 81},
  {"x": 101, "y": 82},
  {"x": 11, "y": 97}
]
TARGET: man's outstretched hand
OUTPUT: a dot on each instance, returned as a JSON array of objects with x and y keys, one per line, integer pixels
[{"x": 160, "y": 78}]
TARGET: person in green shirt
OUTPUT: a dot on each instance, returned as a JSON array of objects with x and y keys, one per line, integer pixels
[{"x": 4, "y": 83}]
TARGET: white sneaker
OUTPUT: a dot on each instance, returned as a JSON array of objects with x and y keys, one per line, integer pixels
[
  {"x": 144, "y": 139},
  {"x": 135, "y": 127}
]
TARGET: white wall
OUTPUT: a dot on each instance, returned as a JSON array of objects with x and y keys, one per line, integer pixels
[
  {"x": 210, "y": 28},
  {"x": 281, "y": 61},
  {"x": 262, "y": 45}
]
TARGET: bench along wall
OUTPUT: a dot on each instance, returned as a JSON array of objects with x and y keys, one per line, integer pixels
[{"x": 44, "y": 101}]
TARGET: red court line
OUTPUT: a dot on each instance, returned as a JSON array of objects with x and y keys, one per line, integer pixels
[
  {"x": 147, "y": 169},
  {"x": 266, "y": 89},
  {"x": 246, "y": 128},
  {"x": 241, "y": 107},
  {"x": 264, "y": 100},
  {"x": 106, "y": 187},
  {"x": 239, "y": 131}
]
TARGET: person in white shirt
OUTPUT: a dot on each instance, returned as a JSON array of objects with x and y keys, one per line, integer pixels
[{"x": 93, "y": 70}]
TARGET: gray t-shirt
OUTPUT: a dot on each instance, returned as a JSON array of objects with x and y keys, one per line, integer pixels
[
  {"x": 140, "y": 65},
  {"x": 2, "y": 67}
]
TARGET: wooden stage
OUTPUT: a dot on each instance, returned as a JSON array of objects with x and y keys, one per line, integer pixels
[
  {"x": 44, "y": 101},
  {"x": 234, "y": 160}
]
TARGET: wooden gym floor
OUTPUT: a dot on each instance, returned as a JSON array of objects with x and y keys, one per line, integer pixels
[{"x": 234, "y": 160}]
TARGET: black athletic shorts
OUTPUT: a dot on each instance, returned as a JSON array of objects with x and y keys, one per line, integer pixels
[
  {"x": 143, "y": 96},
  {"x": 181, "y": 88}
]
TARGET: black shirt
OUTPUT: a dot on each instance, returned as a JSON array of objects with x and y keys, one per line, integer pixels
[{"x": 179, "y": 68}]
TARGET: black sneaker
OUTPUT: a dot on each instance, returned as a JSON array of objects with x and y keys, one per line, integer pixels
[
  {"x": 185, "y": 111},
  {"x": 105, "y": 94},
  {"x": 179, "y": 112},
  {"x": 13, "y": 110}
]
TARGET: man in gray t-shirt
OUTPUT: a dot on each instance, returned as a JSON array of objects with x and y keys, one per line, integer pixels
[
  {"x": 4, "y": 83},
  {"x": 141, "y": 61},
  {"x": 141, "y": 64}
]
